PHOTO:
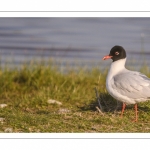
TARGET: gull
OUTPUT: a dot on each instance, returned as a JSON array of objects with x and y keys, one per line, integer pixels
[{"x": 129, "y": 87}]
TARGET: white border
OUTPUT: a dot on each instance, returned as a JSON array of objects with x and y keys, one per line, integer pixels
[
  {"x": 75, "y": 136},
  {"x": 75, "y": 14},
  {"x": 74, "y": 5},
  {"x": 67, "y": 141}
]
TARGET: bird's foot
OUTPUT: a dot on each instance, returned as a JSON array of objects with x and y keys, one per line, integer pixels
[{"x": 134, "y": 120}]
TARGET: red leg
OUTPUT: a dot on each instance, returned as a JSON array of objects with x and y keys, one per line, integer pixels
[
  {"x": 123, "y": 108},
  {"x": 136, "y": 115}
]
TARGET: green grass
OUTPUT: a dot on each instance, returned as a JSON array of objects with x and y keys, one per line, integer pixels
[{"x": 27, "y": 90}]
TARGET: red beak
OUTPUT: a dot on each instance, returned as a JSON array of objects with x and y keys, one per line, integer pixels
[{"x": 107, "y": 57}]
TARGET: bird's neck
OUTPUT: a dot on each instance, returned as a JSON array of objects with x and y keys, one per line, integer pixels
[{"x": 116, "y": 67}]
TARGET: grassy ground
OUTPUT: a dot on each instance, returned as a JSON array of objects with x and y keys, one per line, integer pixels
[{"x": 27, "y": 91}]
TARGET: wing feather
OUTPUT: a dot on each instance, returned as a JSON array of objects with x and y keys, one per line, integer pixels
[{"x": 132, "y": 84}]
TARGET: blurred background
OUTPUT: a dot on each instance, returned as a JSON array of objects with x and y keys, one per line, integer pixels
[{"x": 73, "y": 41}]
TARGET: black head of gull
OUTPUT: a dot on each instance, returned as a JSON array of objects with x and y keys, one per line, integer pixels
[{"x": 116, "y": 53}]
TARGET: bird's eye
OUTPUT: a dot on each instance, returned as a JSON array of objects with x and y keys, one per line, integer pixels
[{"x": 116, "y": 53}]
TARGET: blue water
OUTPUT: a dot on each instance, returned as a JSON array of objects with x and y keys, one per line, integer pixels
[{"x": 69, "y": 40}]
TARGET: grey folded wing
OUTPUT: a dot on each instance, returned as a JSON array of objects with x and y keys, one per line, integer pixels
[{"x": 132, "y": 84}]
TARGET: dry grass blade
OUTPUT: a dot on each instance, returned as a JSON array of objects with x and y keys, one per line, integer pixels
[
  {"x": 99, "y": 111},
  {"x": 98, "y": 99}
]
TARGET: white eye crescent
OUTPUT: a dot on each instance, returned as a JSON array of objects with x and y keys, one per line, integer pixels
[{"x": 116, "y": 53}]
